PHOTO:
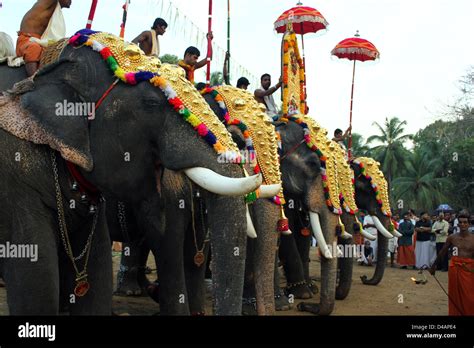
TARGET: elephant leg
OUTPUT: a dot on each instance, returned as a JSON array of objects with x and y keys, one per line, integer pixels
[
  {"x": 266, "y": 215},
  {"x": 282, "y": 301},
  {"x": 249, "y": 306},
  {"x": 293, "y": 267},
  {"x": 345, "y": 264},
  {"x": 131, "y": 274},
  {"x": 33, "y": 286},
  {"x": 98, "y": 300},
  {"x": 168, "y": 252}
]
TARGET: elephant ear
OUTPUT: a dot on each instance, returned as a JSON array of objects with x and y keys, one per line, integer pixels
[{"x": 46, "y": 115}]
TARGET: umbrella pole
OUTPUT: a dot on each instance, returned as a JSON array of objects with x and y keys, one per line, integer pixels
[
  {"x": 349, "y": 153},
  {"x": 91, "y": 14},
  {"x": 227, "y": 62},
  {"x": 124, "y": 18},
  {"x": 209, "y": 46},
  {"x": 304, "y": 65}
]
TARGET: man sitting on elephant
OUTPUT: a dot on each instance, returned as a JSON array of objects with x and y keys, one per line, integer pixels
[
  {"x": 44, "y": 21},
  {"x": 190, "y": 61}
]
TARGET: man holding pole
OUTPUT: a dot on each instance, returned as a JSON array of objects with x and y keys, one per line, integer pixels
[
  {"x": 461, "y": 269},
  {"x": 190, "y": 61}
]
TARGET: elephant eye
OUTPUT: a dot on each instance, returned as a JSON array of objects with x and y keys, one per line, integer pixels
[{"x": 151, "y": 102}]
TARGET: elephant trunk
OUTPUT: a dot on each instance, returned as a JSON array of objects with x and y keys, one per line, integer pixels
[
  {"x": 227, "y": 225},
  {"x": 266, "y": 216},
  {"x": 382, "y": 249},
  {"x": 345, "y": 264}
]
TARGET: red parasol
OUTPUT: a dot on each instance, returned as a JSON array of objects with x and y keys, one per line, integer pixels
[
  {"x": 305, "y": 20},
  {"x": 355, "y": 49}
]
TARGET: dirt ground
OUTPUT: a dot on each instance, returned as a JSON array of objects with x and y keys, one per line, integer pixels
[{"x": 397, "y": 294}]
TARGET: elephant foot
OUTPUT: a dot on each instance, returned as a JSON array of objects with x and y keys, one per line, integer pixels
[
  {"x": 299, "y": 290},
  {"x": 282, "y": 303},
  {"x": 153, "y": 290},
  {"x": 309, "y": 307},
  {"x": 127, "y": 282},
  {"x": 249, "y": 306}
]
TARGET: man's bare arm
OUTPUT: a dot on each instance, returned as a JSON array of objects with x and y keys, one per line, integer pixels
[
  {"x": 203, "y": 62},
  {"x": 140, "y": 38},
  {"x": 260, "y": 93}
]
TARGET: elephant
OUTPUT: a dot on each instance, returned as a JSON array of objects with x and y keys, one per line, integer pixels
[
  {"x": 38, "y": 184},
  {"x": 367, "y": 175},
  {"x": 303, "y": 183}
]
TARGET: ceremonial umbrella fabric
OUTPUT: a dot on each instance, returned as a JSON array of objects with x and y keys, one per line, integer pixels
[
  {"x": 305, "y": 20},
  {"x": 355, "y": 49}
]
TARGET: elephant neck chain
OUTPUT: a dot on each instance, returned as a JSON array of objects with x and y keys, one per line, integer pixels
[
  {"x": 199, "y": 257},
  {"x": 82, "y": 285}
]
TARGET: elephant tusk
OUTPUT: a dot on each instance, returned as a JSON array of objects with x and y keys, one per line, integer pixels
[
  {"x": 346, "y": 235},
  {"x": 222, "y": 185},
  {"x": 318, "y": 234},
  {"x": 381, "y": 227},
  {"x": 251, "y": 233},
  {"x": 368, "y": 235},
  {"x": 397, "y": 234},
  {"x": 269, "y": 191}
]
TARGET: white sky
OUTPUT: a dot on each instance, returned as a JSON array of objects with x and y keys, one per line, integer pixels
[{"x": 425, "y": 47}]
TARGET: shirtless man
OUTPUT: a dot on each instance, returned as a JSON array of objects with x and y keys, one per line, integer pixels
[
  {"x": 145, "y": 39},
  {"x": 264, "y": 95},
  {"x": 461, "y": 269},
  {"x": 34, "y": 24},
  {"x": 191, "y": 62}
]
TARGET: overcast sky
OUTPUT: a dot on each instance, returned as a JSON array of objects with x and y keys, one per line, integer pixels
[{"x": 425, "y": 47}]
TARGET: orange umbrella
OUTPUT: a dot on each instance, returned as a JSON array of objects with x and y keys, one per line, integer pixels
[
  {"x": 355, "y": 49},
  {"x": 305, "y": 20}
]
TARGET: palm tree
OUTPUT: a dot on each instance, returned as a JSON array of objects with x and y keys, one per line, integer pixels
[
  {"x": 359, "y": 148},
  {"x": 169, "y": 58},
  {"x": 390, "y": 153},
  {"x": 217, "y": 78},
  {"x": 422, "y": 186}
]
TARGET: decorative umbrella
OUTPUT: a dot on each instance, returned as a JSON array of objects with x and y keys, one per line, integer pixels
[
  {"x": 305, "y": 20},
  {"x": 444, "y": 208},
  {"x": 355, "y": 49}
]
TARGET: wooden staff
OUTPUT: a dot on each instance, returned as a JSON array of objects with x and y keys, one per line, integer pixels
[
  {"x": 209, "y": 46},
  {"x": 91, "y": 14},
  {"x": 124, "y": 18}
]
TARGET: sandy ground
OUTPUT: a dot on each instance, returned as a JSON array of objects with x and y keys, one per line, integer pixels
[{"x": 397, "y": 294}]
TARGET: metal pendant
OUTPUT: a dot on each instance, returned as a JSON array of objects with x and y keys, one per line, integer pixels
[
  {"x": 199, "y": 258},
  {"x": 92, "y": 209},
  {"x": 305, "y": 231},
  {"x": 82, "y": 287},
  {"x": 84, "y": 198},
  {"x": 198, "y": 194}
]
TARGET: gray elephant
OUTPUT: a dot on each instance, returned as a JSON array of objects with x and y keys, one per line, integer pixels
[{"x": 38, "y": 185}]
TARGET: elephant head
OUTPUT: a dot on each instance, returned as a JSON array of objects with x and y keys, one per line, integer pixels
[
  {"x": 135, "y": 129},
  {"x": 371, "y": 194}
]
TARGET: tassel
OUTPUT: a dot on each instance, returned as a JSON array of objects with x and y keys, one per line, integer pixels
[
  {"x": 283, "y": 225},
  {"x": 340, "y": 229}
]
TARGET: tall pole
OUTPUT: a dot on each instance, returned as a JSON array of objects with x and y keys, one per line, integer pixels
[
  {"x": 227, "y": 77},
  {"x": 124, "y": 18},
  {"x": 209, "y": 45},
  {"x": 304, "y": 63},
  {"x": 91, "y": 14},
  {"x": 349, "y": 152}
]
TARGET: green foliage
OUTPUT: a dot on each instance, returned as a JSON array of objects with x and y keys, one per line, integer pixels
[
  {"x": 217, "y": 78},
  {"x": 169, "y": 58}
]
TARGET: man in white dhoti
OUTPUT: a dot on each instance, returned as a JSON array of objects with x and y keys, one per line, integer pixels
[
  {"x": 369, "y": 226},
  {"x": 148, "y": 40},
  {"x": 264, "y": 95},
  {"x": 425, "y": 250},
  {"x": 43, "y": 23}
]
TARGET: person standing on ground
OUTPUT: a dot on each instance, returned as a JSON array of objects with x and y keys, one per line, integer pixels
[
  {"x": 461, "y": 269},
  {"x": 440, "y": 228}
]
